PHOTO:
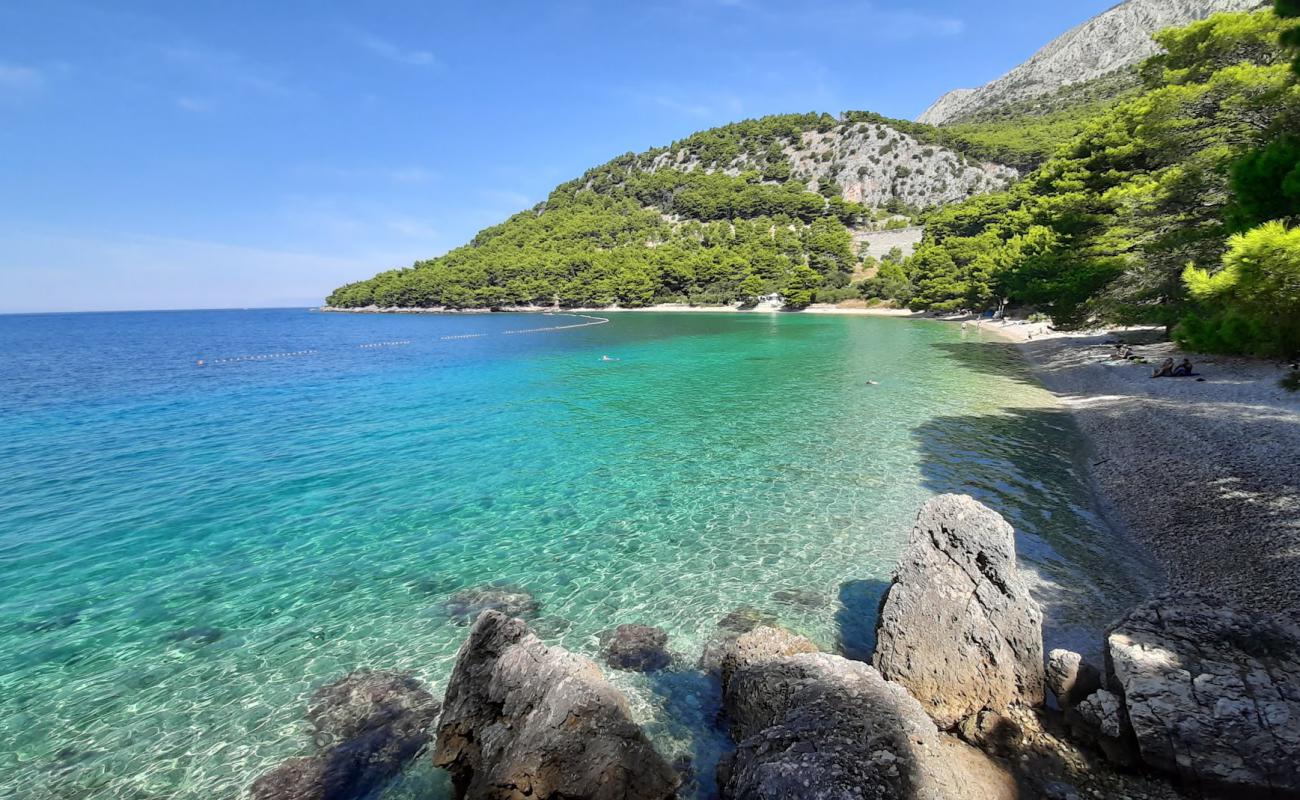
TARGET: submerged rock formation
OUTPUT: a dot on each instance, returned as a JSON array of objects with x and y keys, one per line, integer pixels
[
  {"x": 958, "y": 627},
  {"x": 464, "y": 606},
  {"x": 366, "y": 726},
  {"x": 525, "y": 720},
  {"x": 814, "y": 725},
  {"x": 640, "y": 648},
  {"x": 1212, "y": 693}
]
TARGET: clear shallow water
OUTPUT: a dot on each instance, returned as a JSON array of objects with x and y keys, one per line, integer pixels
[{"x": 187, "y": 552}]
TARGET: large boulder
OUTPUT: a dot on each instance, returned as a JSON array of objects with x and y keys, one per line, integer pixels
[
  {"x": 1212, "y": 693},
  {"x": 958, "y": 627},
  {"x": 523, "y": 720},
  {"x": 366, "y": 727},
  {"x": 813, "y": 725}
]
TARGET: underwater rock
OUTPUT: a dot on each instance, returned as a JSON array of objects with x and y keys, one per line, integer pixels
[
  {"x": 640, "y": 648},
  {"x": 523, "y": 719},
  {"x": 803, "y": 598},
  {"x": 465, "y": 606},
  {"x": 736, "y": 622},
  {"x": 958, "y": 627},
  {"x": 366, "y": 726},
  {"x": 745, "y": 619}
]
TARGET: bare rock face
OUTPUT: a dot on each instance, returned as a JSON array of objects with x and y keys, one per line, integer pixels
[
  {"x": 1071, "y": 678},
  {"x": 1212, "y": 693},
  {"x": 958, "y": 627},
  {"x": 1109, "y": 41},
  {"x": 523, "y": 720},
  {"x": 366, "y": 726},
  {"x": 640, "y": 648},
  {"x": 1100, "y": 719},
  {"x": 814, "y": 725}
]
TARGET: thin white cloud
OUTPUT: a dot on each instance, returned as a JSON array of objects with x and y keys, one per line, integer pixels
[
  {"x": 402, "y": 173},
  {"x": 395, "y": 53},
  {"x": 18, "y": 78},
  {"x": 227, "y": 69},
  {"x": 412, "y": 227},
  {"x": 515, "y": 201},
  {"x": 195, "y": 105}
]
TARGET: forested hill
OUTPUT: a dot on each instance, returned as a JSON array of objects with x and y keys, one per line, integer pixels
[{"x": 756, "y": 207}]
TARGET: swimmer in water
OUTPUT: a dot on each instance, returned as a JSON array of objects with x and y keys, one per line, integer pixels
[
  {"x": 607, "y": 358},
  {"x": 873, "y": 383}
]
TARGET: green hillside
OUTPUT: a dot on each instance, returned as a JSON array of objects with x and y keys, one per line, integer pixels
[{"x": 1128, "y": 182}]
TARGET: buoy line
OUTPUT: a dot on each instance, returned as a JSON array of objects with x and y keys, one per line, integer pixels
[
  {"x": 595, "y": 321},
  {"x": 259, "y": 357},
  {"x": 401, "y": 342}
]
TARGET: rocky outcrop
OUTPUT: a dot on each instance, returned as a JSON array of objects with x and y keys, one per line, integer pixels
[
  {"x": 640, "y": 648},
  {"x": 1100, "y": 720},
  {"x": 739, "y": 621},
  {"x": 1109, "y": 41},
  {"x": 958, "y": 627},
  {"x": 814, "y": 725},
  {"x": 1070, "y": 678},
  {"x": 872, "y": 163},
  {"x": 366, "y": 726},
  {"x": 525, "y": 720},
  {"x": 1212, "y": 693}
]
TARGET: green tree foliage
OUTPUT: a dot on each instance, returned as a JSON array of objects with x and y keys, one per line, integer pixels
[
  {"x": 1252, "y": 304},
  {"x": 1290, "y": 9},
  {"x": 1105, "y": 227},
  {"x": 800, "y": 287},
  {"x": 889, "y": 283}
]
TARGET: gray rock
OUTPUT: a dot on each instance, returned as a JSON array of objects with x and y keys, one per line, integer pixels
[
  {"x": 729, "y": 628},
  {"x": 814, "y": 725},
  {"x": 1109, "y": 41},
  {"x": 640, "y": 648},
  {"x": 1100, "y": 720},
  {"x": 958, "y": 627},
  {"x": 992, "y": 732},
  {"x": 758, "y": 646},
  {"x": 464, "y": 606},
  {"x": 1071, "y": 678},
  {"x": 525, "y": 720},
  {"x": 1212, "y": 693},
  {"x": 366, "y": 727}
]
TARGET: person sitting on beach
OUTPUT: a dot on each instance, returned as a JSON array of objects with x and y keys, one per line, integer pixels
[
  {"x": 1183, "y": 370},
  {"x": 1165, "y": 370}
]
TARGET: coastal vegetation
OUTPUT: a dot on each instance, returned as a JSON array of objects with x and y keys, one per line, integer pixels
[
  {"x": 1146, "y": 197},
  {"x": 1130, "y": 221}
]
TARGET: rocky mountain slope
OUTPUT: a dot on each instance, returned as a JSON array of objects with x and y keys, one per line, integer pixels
[
  {"x": 1108, "y": 42},
  {"x": 871, "y": 163}
]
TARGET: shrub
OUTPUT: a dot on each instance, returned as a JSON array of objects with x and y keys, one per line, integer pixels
[{"x": 1252, "y": 304}]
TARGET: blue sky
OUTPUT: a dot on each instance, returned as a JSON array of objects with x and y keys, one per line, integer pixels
[{"x": 224, "y": 154}]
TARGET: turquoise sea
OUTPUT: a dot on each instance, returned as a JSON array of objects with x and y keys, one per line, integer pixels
[{"x": 187, "y": 551}]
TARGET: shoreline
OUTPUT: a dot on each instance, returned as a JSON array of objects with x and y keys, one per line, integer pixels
[{"x": 1199, "y": 474}]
